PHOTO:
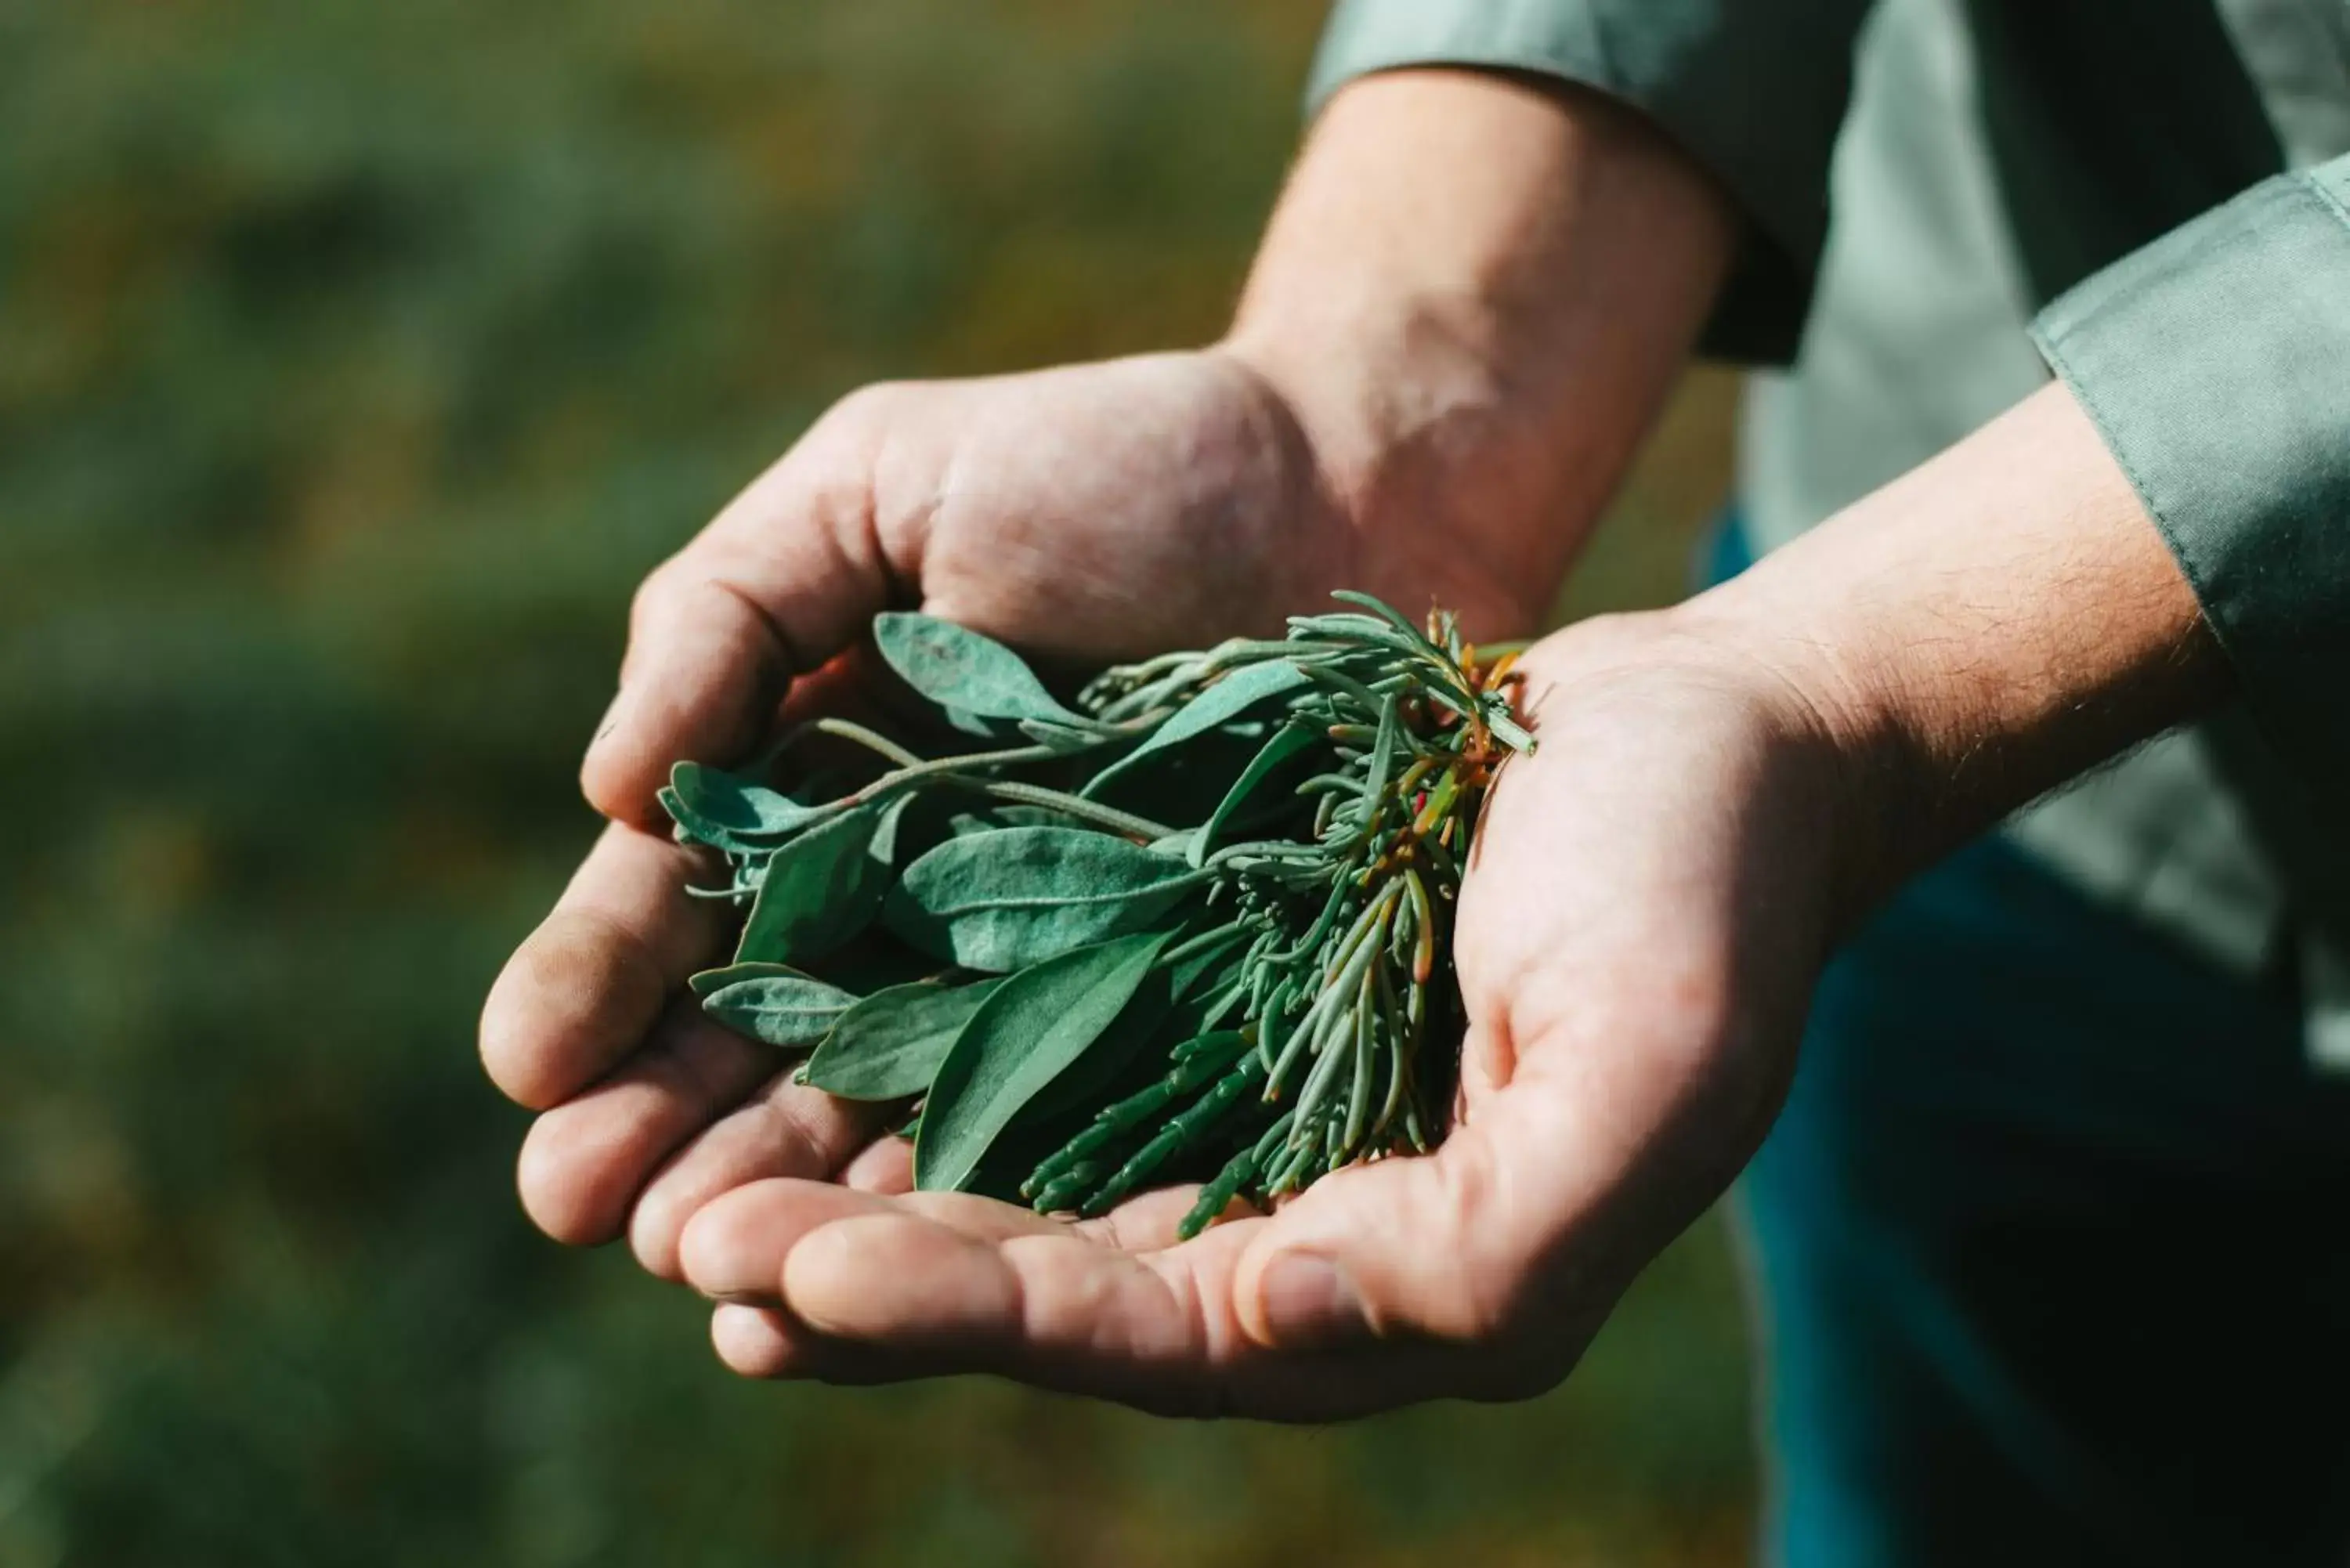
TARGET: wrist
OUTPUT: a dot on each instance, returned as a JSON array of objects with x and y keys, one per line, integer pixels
[
  {"x": 1975, "y": 634},
  {"x": 1408, "y": 431},
  {"x": 1476, "y": 295}
]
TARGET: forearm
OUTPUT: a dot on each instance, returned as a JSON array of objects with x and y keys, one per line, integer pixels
[
  {"x": 1477, "y": 293},
  {"x": 1997, "y": 622}
]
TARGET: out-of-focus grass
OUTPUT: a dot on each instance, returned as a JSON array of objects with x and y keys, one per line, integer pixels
[{"x": 354, "y": 361}]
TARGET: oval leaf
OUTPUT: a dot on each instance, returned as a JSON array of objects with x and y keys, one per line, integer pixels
[
  {"x": 715, "y": 979},
  {"x": 1084, "y": 1087},
  {"x": 964, "y": 673},
  {"x": 1220, "y": 704},
  {"x": 822, "y": 888},
  {"x": 712, "y": 806},
  {"x": 1018, "y": 896},
  {"x": 788, "y": 1011},
  {"x": 889, "y": 1045},
  {"x": 1024, "y": 1035},
  {"x": 1186, "y": 978}
]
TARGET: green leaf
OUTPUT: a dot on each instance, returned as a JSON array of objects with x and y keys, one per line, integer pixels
[
  {"x": 972, "y": 724},
  {"x": 787, "y": 1010},
  {"x": 715, "y": 979},
  {"x": 823, "y": 888},
  {"x": 889, "y": 1045},
  {"x": 1003, "y": 900},
  {"x": 1220, "y": 704},
  {"x": 1084, "y": 1087},
  {"x": 1026, "y": 1033},
  {"x": 730, "y": 811},
  {"x": 1066, "y": 739},
  {"x": 964, "y": 673},
  {"x": 1388, "y": 631},
  {"x": 1286, "y": 743},
  {"x": 1215, "y": 960},
  {"x": 1388, "y": 613}
]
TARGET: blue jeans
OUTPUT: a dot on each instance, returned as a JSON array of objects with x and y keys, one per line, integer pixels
[{"x": 2050, "y": 1247}]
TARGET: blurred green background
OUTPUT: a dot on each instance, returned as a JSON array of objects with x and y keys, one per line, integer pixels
[{"x": 355, "y": 360}]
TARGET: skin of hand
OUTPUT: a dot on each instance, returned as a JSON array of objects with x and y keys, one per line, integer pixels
[
  {"x": 1718, "y": 792},
  {"x": 1408, "y": 415}
]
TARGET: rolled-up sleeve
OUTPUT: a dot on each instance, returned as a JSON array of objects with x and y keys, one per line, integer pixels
[
  {"x": 1755, "y": 89},
  {"x": 2216, "y": 364}
]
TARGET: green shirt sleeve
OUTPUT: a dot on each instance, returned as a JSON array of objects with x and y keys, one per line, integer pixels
[
  {"x": 1755, "y": 90},
  {"x": 2216, "y": 364}
]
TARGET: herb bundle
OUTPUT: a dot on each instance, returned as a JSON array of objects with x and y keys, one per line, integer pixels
[{"x": 1194, "y": 925}]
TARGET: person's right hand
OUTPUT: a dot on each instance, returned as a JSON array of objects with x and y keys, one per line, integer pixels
[
  {"x": 1086, "y": 514},
  {"x": 1432, "y": 385}
]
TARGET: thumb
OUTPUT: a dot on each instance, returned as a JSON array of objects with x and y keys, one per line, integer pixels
[
  {"x": 1500, "y": 1235},
  {"x": 767, "y": 593},
  {"x": 1401, "y": 1249}
]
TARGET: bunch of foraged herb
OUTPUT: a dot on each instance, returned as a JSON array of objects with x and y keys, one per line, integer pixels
[{"x": 1194, "y": 926}]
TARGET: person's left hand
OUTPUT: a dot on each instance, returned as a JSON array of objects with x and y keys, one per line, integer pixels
[{"x": 1651, "y": 899}]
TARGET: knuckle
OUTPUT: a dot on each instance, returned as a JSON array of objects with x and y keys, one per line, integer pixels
[
  {"x": 802, "y": 1138},
  {"x": 661, "y": 592},
  {"x": 857, "y": 412},
  {"x": 798, "y": 1136},
  {"x": 834, "y": 465}
]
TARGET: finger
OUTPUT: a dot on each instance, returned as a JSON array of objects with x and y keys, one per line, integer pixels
[
  {"x": 734, "y": 1250},
  {"x": 584, "y": 1162},
  {"x": 783, "y": 580},
  {"x": 885, "y": 1165},
  {"x": 1050, "y": 1306},
  {"x": 940, "y": 1282},
  {"x": 755, "y": 1341},
  {"x": 735, "y": 1246},
  {"x": 788, "y": 1130},
  {"x": 737, "y": 1241},
  {"x": 583, "y": 989},
  {"x": 765, "y": 1342},
  {"x": 878, "y": 1290}
]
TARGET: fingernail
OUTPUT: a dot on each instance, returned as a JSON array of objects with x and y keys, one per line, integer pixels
[{"x": 1308, "y": 1301}]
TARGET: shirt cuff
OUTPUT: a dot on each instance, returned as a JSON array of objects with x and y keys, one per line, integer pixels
[
  {"x": 1755, "y": 89},
  {"x": 2216, "y": 365}
]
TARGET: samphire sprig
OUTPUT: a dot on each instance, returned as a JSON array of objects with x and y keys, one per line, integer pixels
[{"x": 1195, "y": 925}]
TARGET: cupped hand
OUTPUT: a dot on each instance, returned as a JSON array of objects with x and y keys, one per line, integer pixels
[
  {"x": 1085, "y": 514},
  {"x": 1651, "y": 899}
]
